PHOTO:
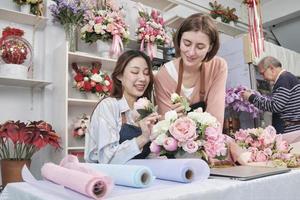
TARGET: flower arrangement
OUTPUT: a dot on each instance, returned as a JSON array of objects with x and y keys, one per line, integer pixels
[
  {"x": 142, "y": 108},
  {"x": 20, "y": 141},
  {"x": 226, "y": 14},
  {"x": 81, "y": 126},
  {"x": 234, "y": 102},
  {"x": 197, "y": 133},
  {"x": 151, "y": 30},
  {"x": 107, "y": 24},
  {"x": 92, "y": 79},
  {"x": 250, "y": 2},
  {"x": 14, "y": 50},
  {"x": 263, "y": 145}
]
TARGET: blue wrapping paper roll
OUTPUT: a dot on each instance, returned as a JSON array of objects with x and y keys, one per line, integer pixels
[
  {"x": 126, "y": 175},
  {"x": 180, "y": 170}
]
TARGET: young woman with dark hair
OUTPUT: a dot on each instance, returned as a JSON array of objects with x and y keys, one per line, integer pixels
[{"x": 113, "y": 135}]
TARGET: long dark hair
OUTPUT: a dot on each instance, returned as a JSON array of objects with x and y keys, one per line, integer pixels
[
  {"x": 123, "y": 60},
  {"x": 203, "y": 23}
]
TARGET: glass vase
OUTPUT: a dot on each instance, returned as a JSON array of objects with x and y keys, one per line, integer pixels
[{"x": 71, "y": 36}]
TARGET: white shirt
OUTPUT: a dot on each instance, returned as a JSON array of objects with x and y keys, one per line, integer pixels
[
  {"x": 102, "y": 141},
  {"x": 171, "y": 69}
]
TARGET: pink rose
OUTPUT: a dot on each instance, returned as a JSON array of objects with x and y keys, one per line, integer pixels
[
  {"x": 215, "y": 148},
  {"x": 241, "y": 135},
  {"x": 190, "y": 146},
  {"x": 141, "y": 103},
  {"x": 268, "y": 136},
  {"x": 212, "y": 133},
  {"x": 155, "y": 148},
  {"x": 260, "y": 157},
  {"x": 170, "y": 144},
  {"x": 281, "y": 145},
  {"x": 183, "y": 129}
]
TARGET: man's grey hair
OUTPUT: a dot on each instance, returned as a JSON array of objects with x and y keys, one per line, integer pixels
[{"x": 269, "y": 60}]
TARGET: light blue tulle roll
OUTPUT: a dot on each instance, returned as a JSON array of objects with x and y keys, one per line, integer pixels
[
  {"x": 180, "y": 170},
  {"x": 126, "y": 175}
]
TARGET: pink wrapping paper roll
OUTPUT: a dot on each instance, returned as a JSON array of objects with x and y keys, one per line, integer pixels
[{"x": 94, "y": 186}]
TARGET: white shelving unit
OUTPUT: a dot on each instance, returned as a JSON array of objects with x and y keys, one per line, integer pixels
[
  {"x": 157, "y": 4},
  {"x": 23, "y": 82},
  {"x": 21, "y": 18},
  {"x": 74, "y": 103}
]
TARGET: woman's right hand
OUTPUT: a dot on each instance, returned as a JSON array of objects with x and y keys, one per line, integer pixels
[
  {"x": 178, "y": 107},
  {"x": 146, "y": 125}
]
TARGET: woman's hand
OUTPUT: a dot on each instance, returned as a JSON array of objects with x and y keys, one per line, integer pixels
[
  {"x": 146, "y": 125},
  {"x": 179, "y": 108}
]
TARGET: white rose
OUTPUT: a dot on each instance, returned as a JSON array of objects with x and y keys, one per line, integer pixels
[
  {"x": 97, "y": 78},
  {"x": 160, "y": 128},
  {"x": 171, "y": 115},
  {"x": 106, "y": 83},
  {"x": 98, "y": 28},
  {"x": 85, "y": 79},
  {"x": 175, "y": 98}
]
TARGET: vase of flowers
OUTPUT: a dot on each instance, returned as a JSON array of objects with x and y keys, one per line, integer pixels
[
  {"x": 107, "y": 25},
  {"x": 19, "y": 141},
  {"x": 70, "y": 15},
  {"x": 234, "y": 105},
  {"x": 91, "y": 80},
  {"x": 15, "y": 54},
  {"x": 151, "y": 31}
]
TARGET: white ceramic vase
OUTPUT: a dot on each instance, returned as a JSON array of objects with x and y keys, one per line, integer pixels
[
  {"x": 25, "y": 9},
  {"x": 13, "y": 71},
  {"x": 103, "y": 48}
]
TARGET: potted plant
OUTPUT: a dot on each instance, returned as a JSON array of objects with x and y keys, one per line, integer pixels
[{"x": 19, "y": 141}]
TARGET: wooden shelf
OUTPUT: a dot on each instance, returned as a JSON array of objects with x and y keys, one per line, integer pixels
[
  {"x": 23, "y": 82},
  {"x": 81, "y": 102},
  {"x": 82, "y": 57},
  {"x": 157, "y": 4},
  {"x": 21, "y": 18}
]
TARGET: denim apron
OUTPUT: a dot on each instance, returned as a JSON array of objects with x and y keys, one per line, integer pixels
[
  {"x": 201, "y": 103},
  {"x": 129, "y": 132}
]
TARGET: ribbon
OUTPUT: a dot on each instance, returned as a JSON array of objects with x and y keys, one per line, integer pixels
[
  {"x": 117, "y": 45},
  {"x": 151, "y": 51}
]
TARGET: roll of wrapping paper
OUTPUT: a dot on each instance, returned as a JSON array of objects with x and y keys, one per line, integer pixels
[
  {"x": 180, "y": 170},
  {"x": 87, "y": 184},
  {"x": 133, "y": 176},
  {"x": 126, "y": 175}
]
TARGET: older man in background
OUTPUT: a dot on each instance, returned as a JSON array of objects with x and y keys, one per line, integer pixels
[{"x": 285, "y": 100}]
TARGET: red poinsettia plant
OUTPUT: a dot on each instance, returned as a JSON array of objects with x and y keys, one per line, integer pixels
[
  {"x": 19, "y": 140},
  {"x": 92, "y": 79},
  {"x": 12, "y": 51}
]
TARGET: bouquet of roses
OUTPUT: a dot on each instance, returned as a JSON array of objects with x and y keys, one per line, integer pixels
[
  {"x": 92, "y": 79},
  {"x": 81, "y": 126},
  {"x": 235, "y": 102},
  {"x": 197, "y": 133},
  {"x": 108, "y": 24},
  {"x": 262, "y": 145},
  {"x": 142, "y": 108},
  {"x": 151, "y": 30}
]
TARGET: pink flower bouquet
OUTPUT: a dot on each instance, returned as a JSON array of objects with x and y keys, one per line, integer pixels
[
  {"x": 142, "y": 108},
  {"x": 151, "y": 30},
  {"x": 198, "y": 133},
  {"x": 262, "y": 145}
]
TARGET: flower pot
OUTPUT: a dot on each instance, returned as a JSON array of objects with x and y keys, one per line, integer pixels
[
  {"x": 71, "y": 36},
  {"x": 25, "y": 9},
  {"x": 103, "y": 48},
  {"x": 11, "y": 170},
  {"x": 92, "y": 96},
  {"x": 13, "y": 71}
]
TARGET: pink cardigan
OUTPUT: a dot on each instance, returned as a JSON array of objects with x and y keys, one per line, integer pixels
[{"x": 215, "y": 79}]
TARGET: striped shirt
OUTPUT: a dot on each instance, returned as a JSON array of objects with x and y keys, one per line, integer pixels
[{"x": 284, "y": 103}]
